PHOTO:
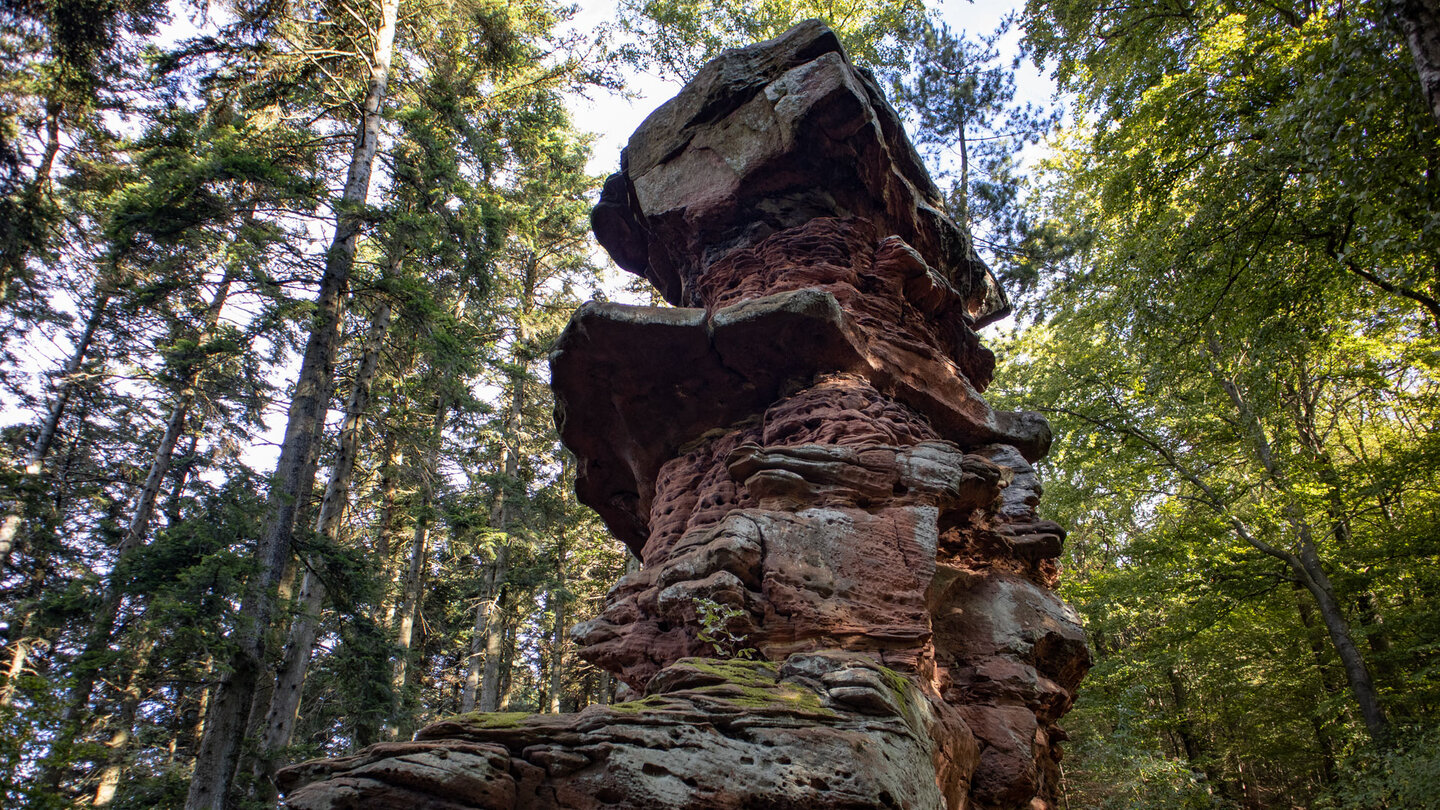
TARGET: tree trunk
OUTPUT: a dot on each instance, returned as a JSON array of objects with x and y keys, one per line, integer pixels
[
  {"x": 487, "y": 610},
  {"x": 499, "y": 569},
  {"x": 176, "y": 499},
  {"x": 16, "y": 254},
  {"x": 387, "y": 532},
  {"x": 1362, "y": 686},
  {"x": 69, "y": 381},
  {"x": 1419, "y": 20},
  {"x": 557, "y": 634},
  {"x": 18, "y": 657},
  {"x": 495, "y": 633},
  {"x": 1305, "y": 396},
  {"x": 144, "y": 509},
  {"x": 508, "y": 642},
  {"x": 114, "y": 768},
  {"x": 369, "y": 723},
  {"x": 415, "y": 574},
  {"x": 1183, "y": 726},
  {"x": 1316, "y": 645},
  {"x": 1305, "y": 560},
  {"x": 295, "y": 471},
  {"x": 102, "y": 624},
  {"x": 477, "y": 649},
  {"x": 279, "y": 722}
]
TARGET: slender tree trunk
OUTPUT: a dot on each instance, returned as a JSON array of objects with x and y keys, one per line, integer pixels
[
  {"x": 557, "y": 633},
  {"x": 102, "y": 623},
  {"x": 1310, "y": 436},
  {"x": 114, "y": 767},
  {"x": 1357, "y": 673},
  {"x": 1305, "y": 561},
  {"x": 368, "y": 725},
  {"x": 509, "y": 644},
  {"x": 18, "y": 657},
  {"x": 495, "y": 633},
  {"x": 387, "y": 532},
  {"x": 295, "y": 471},
  {"x": 481, "y": 641},
  {"x": 409, "y": 612},
  {"x": 102, "y": 626},
  {"x": 415, "y": 573},
  {"x": 279, "y": 724},
  {"x": 41, "y": 183},
  {"x": 115, "y": 758},
  {"x": 499, "y": 569},
  {"x": 477, "y": 649},
  {"x": 144, "y": 509},
  {"x": 69, "y": 381},
  {"x": 1315, "y": 641},
  {"x": 1183, "y": 726},
  {"x": 19, "y": 250},
  {"x": 176, "y": 499},
  {"x": 605, "y": 688}
]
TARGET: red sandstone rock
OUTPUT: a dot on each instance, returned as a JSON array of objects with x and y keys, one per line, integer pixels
[
  {"x": 819, "y": 731},
  {"x": 805, "y": 443}
]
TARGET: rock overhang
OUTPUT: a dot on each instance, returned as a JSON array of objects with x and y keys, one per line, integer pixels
[{"x": 633, "y": 384}]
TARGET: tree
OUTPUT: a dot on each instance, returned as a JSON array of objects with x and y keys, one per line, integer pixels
[
  {"x": 1233, "y": 355},
  {"x": 679, "y": 36},
  {"x": 961, "y": 99},
  {"x": 295, "y": 471}
]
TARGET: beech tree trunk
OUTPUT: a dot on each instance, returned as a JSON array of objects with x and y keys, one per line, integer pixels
[
  {"x": 1315, "y": 643},
  {"x": 295, "y": 471},
  {"x": 1419, "y": 20},
  {"x": 1304, "y": 561},
  {"x": 1310, "y": 436},
  {"x": 279, "y": 723}
]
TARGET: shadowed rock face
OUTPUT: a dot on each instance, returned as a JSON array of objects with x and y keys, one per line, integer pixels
[{"x": 802, "y": 446}]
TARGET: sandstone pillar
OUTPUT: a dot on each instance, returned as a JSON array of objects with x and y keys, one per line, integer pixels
[{"x": 845, "y": 598}]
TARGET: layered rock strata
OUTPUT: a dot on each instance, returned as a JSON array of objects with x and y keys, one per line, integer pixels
[{"x": 845, "y": 598}]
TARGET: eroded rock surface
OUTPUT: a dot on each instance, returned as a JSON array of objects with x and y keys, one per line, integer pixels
[
  {"x": 803, "y": 447},
  {"x": 823, "y": 730}
]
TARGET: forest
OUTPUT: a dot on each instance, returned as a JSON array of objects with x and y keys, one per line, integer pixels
[{"x": 278, "y": 282}]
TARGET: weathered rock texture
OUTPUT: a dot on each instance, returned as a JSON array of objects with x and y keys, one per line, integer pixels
[{"x": 802, "y": 446}]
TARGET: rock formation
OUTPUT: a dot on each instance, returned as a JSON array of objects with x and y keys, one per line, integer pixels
[{"x": 845, "y": 594}]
